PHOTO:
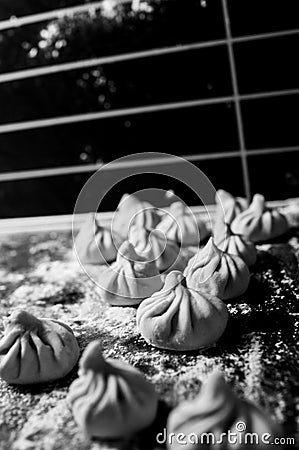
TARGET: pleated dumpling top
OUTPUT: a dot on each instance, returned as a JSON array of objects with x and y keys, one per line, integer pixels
[
  {"x": 165, "y": 251},
  {"x": 110, "y": 399},
  {"x": 259, "y": 223},
  {"x": 131, "y": 278},
  {"x": 228, "y": 208},
  {"x": 179, "y": 318},
  {"x": 133, "y": 211},
  {"x": 95, "y": 244},
  {"x": 219, "y": 273},
  {"x": 36, "y": 350},
  {"x": 218, "y": 411},
  {"x": 235, "y": 244},
  {"x": 181, "y": 226}
]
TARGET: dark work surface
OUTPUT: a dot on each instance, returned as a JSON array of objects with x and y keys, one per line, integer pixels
[{"x": 258, "y": 353}]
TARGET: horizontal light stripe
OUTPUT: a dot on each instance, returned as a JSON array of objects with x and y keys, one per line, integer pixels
[
  {"x": 270, "y": 35},
  {"x": 86, "y": 117},
  {"x": 268, "y": 151},
  {"x": 261, "y": 95},
  {"x": 90, "y": 168},
  {"x": 15, "y": 22},
  {"x": 87, "y": 63},
  {"x": 92, "y": 62},
  {"x": 64, "y": 222}
]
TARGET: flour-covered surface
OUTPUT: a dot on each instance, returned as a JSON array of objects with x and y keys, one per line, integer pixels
[{"x": 258, "y": 353}]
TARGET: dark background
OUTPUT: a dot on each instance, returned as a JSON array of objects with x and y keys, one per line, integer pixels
[{"x": 262, "y": 65}]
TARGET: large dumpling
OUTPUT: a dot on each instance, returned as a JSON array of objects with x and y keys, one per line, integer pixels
[
  {"x": 111, "y": 399},
  {"x": 259, "y": 223},
  {"x": 218, "y": 273},
  {"x": 235, "y": 244},
  {"x": 132, "y": 211},
  {"x": 94, "y": 244},
  {"x": 36, "y": 350},
  {"x": 180, "y": 318},
  {"x": 165, "y": 252},
  {"x": 206, "y": 421},
  {"x": 131, "y": 278},
  {"x": 181, "y": 226}
]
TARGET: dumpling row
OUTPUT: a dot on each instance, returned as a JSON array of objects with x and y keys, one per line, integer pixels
[
  {"x": 112, "y": 400},
  {"x": 95, "y": 244}
]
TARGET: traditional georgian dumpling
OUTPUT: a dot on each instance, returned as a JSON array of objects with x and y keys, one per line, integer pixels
[
  {"x": 111, "y": 399},
  {"x": 236, "y": 244},
  {"x": 215, "y": 412},
  {"x": 165, "y": 251},
  {"x": 259, "y": 223},
  {"x": 227, "y": 208},
  {"x": 180, "y": 318},
  {"x": 36, "y": 350},
  {"x": 218, "y": 273},
  {"x": 181, "y": 226},
  {"x": 132, "y": 211},
  {"x": 131, "y": 278},
  {"x": 94, "y": 244}
]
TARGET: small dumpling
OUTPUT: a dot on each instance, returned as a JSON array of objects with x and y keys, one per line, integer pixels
[
  {"x": 111, "y": 399},
  {"x": 215, "y": 412},
  {"x": 181, "y": 226},
  {"x": 221, "y": 274},
  {"x": 180, "y": 318},
  {"x": 259, "y": 223},
  {"x": 165, "y": 252},
  {"x": 132, "y": 211},
  {"x": 235, "y": 244},
  {"x": 36, "y": 350},
  {"x": 227, "y": 208},
  {"x": 94, "y": 244},
  {"x": 130, "y": 279}
]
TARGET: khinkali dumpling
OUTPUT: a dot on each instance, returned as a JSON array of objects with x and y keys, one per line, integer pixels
[
  {"x": 180, "y": 225},
  {"x": 110, "y": 399},
  {"x": 165, "y": 251},
  {"x": 132, "y": 211},
  {"x": 218, "y": 273},
  {"x": 291, "y": 212},
  {"x": 227, "y": 208},
  {"x": 36, "y": 350},
  {"x": 94, "y": 244},
  {"x": 259, "y": 223},
  {"x": 235, "y": 244},
  {"x": 180, "y": 318},
  {"x": 215, "y": 412},
  {"x": 131, "y": 278}
]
